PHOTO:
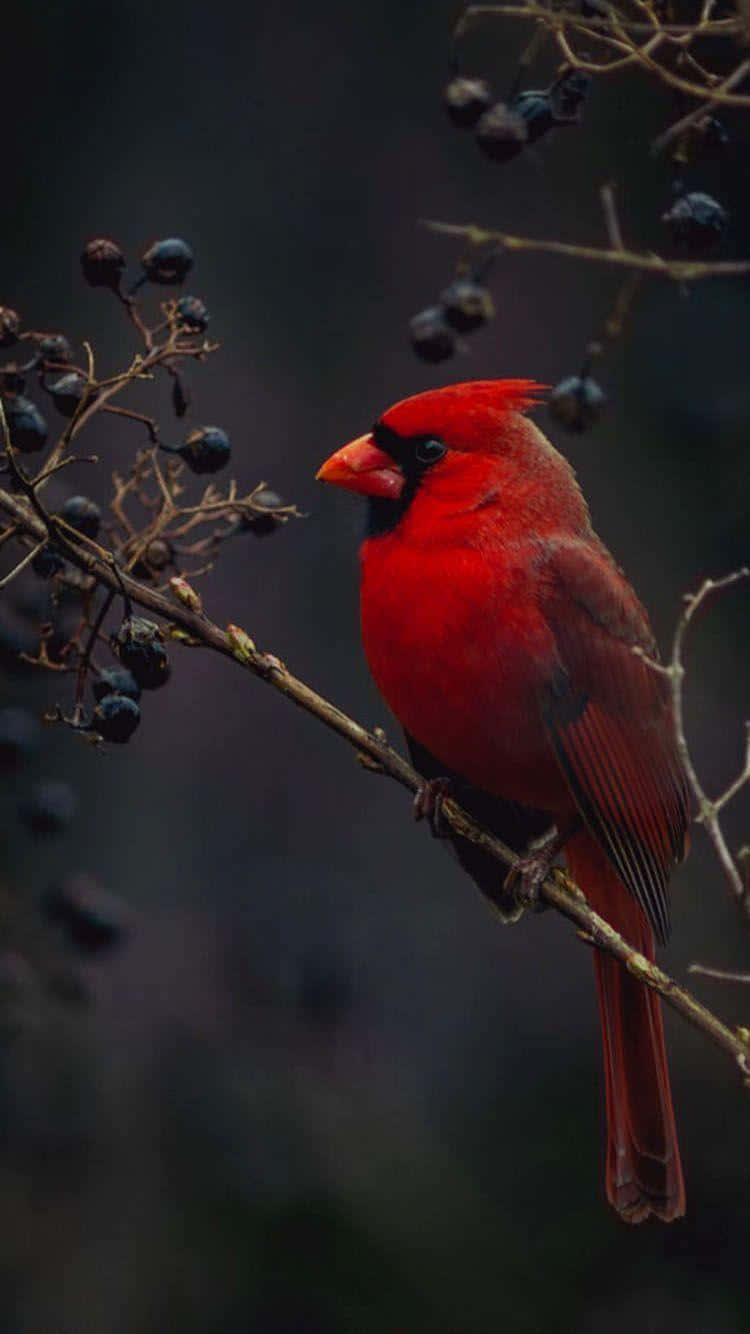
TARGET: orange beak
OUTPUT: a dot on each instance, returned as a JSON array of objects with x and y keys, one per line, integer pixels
[{"x": 361, "y": 467}]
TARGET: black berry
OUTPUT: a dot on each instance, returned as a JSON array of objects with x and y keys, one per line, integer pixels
[
  {"x": 696, "y": 221},
  {"x": 206, "y": 449},
  {"x": 27, "y": 427},
  {"x": 83, "y": 515},
  {"x": 66, "y": 392},
  {"x": 48, "y": 562},
  {"x": 102, "y": 262},
  {"x": 92, "y": 919},
  {"x": 501, "y": 133},
  {"x": 467, "y": 305},
  {"x": 116, "y": 681},
  {"x": 55, "y": 348},
  {"x": 431, "y": 337},
  {"x": 192, "y": 313},
  {"x": 19, "y": 738},
  {"x": 138, "y": 646},
  {"x": 576, "y": 403},
  {"x": 261, "y": 523},
  {"x": 116, "y": 718},
  {"x": 535, "y": 109},
  {"x": 10, "y": 324},
  {"x": 466, "y": 99},
  {"x": 49, "y": 808},
  {"x": 568, "y": 95},
  {"x": 168, "y": 261},
  {"x": 12, "y": 379}
]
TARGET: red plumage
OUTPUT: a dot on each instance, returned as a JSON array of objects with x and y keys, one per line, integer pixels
[{"x": 501, "y": 633}]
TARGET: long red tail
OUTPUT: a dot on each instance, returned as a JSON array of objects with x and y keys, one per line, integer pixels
[{"x": 643, "y": 1173}]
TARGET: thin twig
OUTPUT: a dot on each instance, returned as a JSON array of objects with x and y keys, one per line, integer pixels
[{"x": 680, "y": 270}]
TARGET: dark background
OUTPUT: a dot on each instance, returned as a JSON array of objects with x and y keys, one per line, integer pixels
[{"x": 321, "y": 1090}]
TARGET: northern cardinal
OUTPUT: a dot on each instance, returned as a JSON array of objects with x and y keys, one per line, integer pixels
[{"x": 501, "y": 633}]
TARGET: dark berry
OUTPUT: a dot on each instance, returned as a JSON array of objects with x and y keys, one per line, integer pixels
[
  {"x": 535, "y": 109},
  {"x": 576, "y": 403},
  {"x": 432, "y": 339},
  {"x": 67, "y": 392},
  {"x": 466, "y": 99},
  {"x": 696, "y": 221},
  {"x": 192, "y": 313},
  {"x": 261, "y": 524},
  {"x": 116, "y": 718},
  {"x": 92, "y": 918},
  {"x": 48, "y": 562},
  {"x": 102, "y": 262},
  {"x": 206, "y": 449},
  {"x": 10, "y": 324},
  {"x": 116, "y": 681},
  {"x": 12, "y": 380},
  {"x": 83, "y": 515},
  {"x": 714, "y": 135},
  {"x": 501, "y": 133},
  {"x": 27, "y": 427},
  {"x": 138, "y": 646},
  {"x": 55, "y": 348},
  {"x": 168, "y": 261},
  {"x": 49, "y": 808},
  {"x": 19, "y": 738},
  {"x": 157, "y": 556},
  {"x": 568, "y": 95},
  {"x": 467, "y": 305}
]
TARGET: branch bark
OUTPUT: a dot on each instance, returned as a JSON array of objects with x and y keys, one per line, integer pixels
[{"x": 196, "y": 629}]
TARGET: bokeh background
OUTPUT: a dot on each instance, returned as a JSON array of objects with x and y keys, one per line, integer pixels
[{"x": 320, "y": 1089}]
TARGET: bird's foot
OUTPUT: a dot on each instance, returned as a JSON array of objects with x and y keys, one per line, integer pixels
[
  {"x": 428, "y": 805},
  {"x": 524, "y": 880}
]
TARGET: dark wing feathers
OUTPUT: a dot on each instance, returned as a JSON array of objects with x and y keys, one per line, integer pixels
[{"x": 609, "y": 719}]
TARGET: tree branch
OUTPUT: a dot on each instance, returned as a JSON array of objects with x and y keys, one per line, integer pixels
[{"x": 558, "y": 889}]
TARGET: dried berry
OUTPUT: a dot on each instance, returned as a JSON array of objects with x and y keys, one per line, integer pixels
[
  {"x": 192, "y": 313},
  {"x": 696, "y": 221},
  {"x": 82, "y": 514},
  {"x": 27, "y": 427},
  {"x": 576, "y": 403},
  {"x": 116, "y": 718},
  {"x": 432, "y": 339},
  {"x": 501, "y": 133},
  {"x": 465, "y": 100},
  {"x": 116, "y": 681},
  {"x": 467, "y": 305},
  {"x": 102, "y": 262},
  {"x": 10, "y": 324},
  {"x": 19, "y": 738},
  {"x": 48, "y": 562},
  {"x": 66, "y": 393},
  {"x": 714, "y": 135},
  {"x": 138, "y": 646},
  {"x": 49, "y": 808},
  {"x": 168, "y": 261},
  {"x": 206, "y": 449},
  {"x": 92, "y": 918},
  {"x": 535, "y": 108},
  {"x": 55, "y": 348},
  {"x": 262, "y": 524}
]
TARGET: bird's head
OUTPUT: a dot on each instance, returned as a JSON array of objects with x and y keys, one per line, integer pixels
[{"x": 458, "y": 449}]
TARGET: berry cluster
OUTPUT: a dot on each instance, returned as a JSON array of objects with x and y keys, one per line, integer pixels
[
  {"x": 463, "y": 307},
  {"x": 146, "y": 530},
  {"x": 504, "y": 129}
]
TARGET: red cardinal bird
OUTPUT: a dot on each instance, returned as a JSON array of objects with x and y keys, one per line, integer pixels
[{"x": 501, "y": 633}]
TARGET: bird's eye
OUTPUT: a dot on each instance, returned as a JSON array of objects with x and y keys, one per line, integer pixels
[{"x": 429, "y": 451}]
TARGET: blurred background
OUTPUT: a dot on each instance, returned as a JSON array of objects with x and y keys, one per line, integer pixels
[{"x": 319, "y": 1089}]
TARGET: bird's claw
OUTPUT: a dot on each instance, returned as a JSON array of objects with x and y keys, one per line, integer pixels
[
  {"x": 428, "y": 805},
  {"x": 524, "y": 880}
]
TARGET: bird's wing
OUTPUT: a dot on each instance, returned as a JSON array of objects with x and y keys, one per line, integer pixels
[{"x": 608, "y": 716}]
